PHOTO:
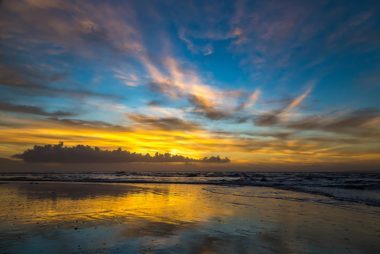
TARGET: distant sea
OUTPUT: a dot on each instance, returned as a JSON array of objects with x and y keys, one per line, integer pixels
[{"x": 350, "y": 187}]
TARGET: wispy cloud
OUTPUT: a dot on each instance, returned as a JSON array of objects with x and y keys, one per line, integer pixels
[
  {"x": 192, "y": 77},
  {"x": 26, "y": 109},
  {"x": 297, "y": 101},
  {"x": 178, "y": 83},
  {"x": 163, "y": 123},
  {"x": 283, "y": 114},
  {"x": 251, "y": 101},
  {"x": 73, "y": 25},
  {"x": 35, "y": 83},
  {"x": 363, "y": 122},
  {"x": 128, "y": 79},
  {"x": 203, "y": 107},
  {"x": 269, "y": 147}
]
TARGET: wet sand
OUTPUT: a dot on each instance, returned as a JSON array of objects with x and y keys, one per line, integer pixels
[{"x": 174, "y": 218}]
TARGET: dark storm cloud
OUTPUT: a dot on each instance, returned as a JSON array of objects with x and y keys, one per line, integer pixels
[{"x": 8, "y": 107}]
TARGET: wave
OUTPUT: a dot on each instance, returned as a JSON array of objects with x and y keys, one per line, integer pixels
[{"x": 353, "y": 187}]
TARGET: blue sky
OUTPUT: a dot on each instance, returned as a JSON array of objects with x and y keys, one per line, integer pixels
[{"x": 278, "y": 81}]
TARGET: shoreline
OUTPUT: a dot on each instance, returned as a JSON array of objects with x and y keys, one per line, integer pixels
[
  {"x": 98, "y": 217},
  {"x": 225, "y": 184}
]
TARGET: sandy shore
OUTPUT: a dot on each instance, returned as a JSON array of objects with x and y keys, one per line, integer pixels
[{"x": 170, "y": 218}]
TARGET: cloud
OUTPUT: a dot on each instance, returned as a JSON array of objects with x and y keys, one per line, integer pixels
[
  {"x": 354, "y": 31},
  {"x": 202, "y": 26},
  {"x": 297, "y": 101},
  {"x": 163, "y": 123},
  {"x": 87, "y": 154},
  {"x": 251, "y": 101},
  {"x": 208, "y": 101},
  {"x": 76, "y": 123},
  {"x": 281, "y": 115},
  {"x": 295, "y": 36},
  {"x": 193, "y": 47},
  {"x": 32, "y": 110},
  {"x": 73, "y": 25},
  {"x": 36, "y": 83},
  {"x": 357, "y": 122},
  {"x": 202, "y": 107},
  {"x": 128, "y": 79},
  {"x": 19, "y": 132},
  {"x": 283, "y": 135},
  {"x": 268, "y": 119},
  {"x": 155, "y": 103},
  {"x": 276, "y": 40},
  {"x": 285, "y": 146},
  {"x": 267, "y": 32},
  {"x": 205, "y": 49}
]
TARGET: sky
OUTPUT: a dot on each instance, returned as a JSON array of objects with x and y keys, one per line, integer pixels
[{"x": 267, "y": 82}]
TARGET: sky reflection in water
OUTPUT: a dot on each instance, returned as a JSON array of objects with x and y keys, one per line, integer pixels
[{"x": 162, "y": 218}]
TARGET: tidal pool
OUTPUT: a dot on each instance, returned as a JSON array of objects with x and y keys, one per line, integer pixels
[{"x": 179, "y": 218}]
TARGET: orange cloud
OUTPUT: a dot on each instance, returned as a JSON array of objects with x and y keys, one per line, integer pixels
[
  {"x": 18, "y": 134},
  {"x": 177, "y": 83}
]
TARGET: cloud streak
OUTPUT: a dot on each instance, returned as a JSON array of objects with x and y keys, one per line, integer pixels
[
  {"x": 178, "y": 83},
  {"x": 8, "y": 107},
  {"x": 163, "y": 123},
  {"x": 251, "y": 101},
  {"x": 359, "y": 122},
  {"x": 34, "y": 83},
  {"x": 281, "y": 115}
]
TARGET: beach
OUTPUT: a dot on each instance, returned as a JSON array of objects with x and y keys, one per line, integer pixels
[
  {"x": 57, "y": 217},
  {"x": 189, "y": 127}
]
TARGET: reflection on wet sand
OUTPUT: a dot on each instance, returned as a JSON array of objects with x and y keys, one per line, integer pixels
[{"x": 133, "y": 218}]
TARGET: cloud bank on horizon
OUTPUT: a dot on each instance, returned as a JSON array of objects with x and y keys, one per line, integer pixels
[
  {"x": 272, "y": 82},
  {"x": 86, "y": 154}
]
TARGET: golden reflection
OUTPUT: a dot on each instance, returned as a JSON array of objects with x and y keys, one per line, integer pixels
[
  {"x": 178, "y": 219},
  {"x": 48, "y": 202}
]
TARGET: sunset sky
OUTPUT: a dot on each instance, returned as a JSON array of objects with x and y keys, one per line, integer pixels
[{"x": 257, "y": 81}]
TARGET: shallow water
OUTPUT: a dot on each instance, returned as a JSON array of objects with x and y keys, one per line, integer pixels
[
  {"x": 180, "y": 218},
  {"x": 353, "y": 187}
]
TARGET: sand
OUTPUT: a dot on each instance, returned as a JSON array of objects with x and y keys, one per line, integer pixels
[{"x": 179, "y": 218}]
